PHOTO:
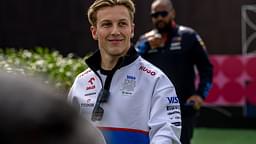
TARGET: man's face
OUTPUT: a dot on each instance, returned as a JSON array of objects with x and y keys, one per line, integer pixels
[
  {"x": 161, "y": 15},
  {"x": 113, "y": 30}
]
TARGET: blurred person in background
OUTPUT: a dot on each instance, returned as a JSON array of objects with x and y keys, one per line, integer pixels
[
  {"x": 128, "y": 98},
  {"x": 177, "y": 50},
  {"x": 33, "y": 113}
]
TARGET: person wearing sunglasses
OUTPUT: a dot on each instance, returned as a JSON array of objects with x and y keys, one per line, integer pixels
[
  {"x": 127, "y": 98},
  {"x": 177, "y": 50}
]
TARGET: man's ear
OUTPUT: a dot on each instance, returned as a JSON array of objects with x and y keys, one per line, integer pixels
[
  {"x": 173, "y": 13},
  {"x": 94, "y": 32}
]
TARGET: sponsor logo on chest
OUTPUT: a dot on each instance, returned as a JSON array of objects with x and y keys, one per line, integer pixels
[
  {"x": 175, "y": 44},
  {"x": 88, "y": 103},
  {"x": 128, "y": 85},
  {"x": 90, "y": 88},
  {"x": 90, "y": 84}
]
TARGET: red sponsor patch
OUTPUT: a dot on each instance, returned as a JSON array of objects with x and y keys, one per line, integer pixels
[{"x": 148, "y": 71}]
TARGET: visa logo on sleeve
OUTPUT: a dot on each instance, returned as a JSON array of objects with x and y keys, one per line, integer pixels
[{"x": 173, "y": 100}]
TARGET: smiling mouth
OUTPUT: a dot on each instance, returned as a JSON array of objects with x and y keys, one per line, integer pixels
[{"x": 116, "y": 41}]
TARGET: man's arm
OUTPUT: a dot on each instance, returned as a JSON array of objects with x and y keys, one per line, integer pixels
[
  {"x": 204, "y": 67},
  {"x": 165, "y": 116},
  {"x": 142, "y": 46},
  {"x": 149, "y": 40}
]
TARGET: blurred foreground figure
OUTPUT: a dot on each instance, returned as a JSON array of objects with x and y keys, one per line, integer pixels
[{"x": 32, "y": 113}]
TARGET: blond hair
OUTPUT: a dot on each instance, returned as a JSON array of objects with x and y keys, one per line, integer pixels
[{"x": 98, "y": 4}]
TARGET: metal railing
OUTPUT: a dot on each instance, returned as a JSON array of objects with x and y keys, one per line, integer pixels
[{"x": 248, "y": 23}]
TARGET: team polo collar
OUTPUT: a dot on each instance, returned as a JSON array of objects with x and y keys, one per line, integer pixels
[{"x": 94, "y": 61}]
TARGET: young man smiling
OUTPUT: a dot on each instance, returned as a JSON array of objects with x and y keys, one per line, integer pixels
[{"x": 125, "y": 96}]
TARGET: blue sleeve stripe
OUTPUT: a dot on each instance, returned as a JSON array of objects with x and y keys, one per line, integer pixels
[
  {"x": 207, "y": 89},
  {"x": 124, "y": 136}
]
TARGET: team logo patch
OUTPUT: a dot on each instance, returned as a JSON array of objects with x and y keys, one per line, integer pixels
[
  {"x": 88, "y": 103},
  {"x": 128, "y": 85},
  {"x": 91, "y": 85},
  {"x": 175, "y": 44},
  {"x": 176, "y": 39},
  {"x": 171, "y": 108}
]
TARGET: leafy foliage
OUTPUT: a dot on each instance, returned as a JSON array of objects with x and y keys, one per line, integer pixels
[{"x": 57, "y": 69}]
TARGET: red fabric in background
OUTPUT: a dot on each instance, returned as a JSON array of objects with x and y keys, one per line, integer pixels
[{"x": 234, "y": 81}]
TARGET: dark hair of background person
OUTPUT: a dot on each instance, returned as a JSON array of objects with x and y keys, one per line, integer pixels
[{"x": 33, "y": 113}]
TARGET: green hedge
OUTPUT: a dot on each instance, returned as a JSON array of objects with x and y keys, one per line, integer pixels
[{"x": 57, "y": 69}]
